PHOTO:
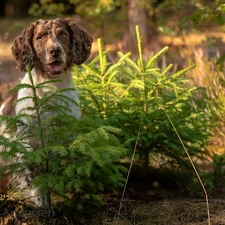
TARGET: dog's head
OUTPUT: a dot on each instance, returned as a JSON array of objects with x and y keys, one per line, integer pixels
[{"x": 52, "y": 46}]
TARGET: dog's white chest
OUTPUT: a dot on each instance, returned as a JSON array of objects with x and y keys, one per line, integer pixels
[{"x": 66, "y": 82}]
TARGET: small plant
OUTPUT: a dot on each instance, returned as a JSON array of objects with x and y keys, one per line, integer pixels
[
  {"x": 70, "y": 161},
  {"x": 129, "y": 93}
]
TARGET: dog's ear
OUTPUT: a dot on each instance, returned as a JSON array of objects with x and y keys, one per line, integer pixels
[
  {"x": 81, "y": 43},
  {"x": 23, "y": 50}
]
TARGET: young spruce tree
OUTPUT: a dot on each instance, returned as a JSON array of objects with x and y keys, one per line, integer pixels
[
  {"x": 131, "y": 93},
  {"x": 70, "y": 161}
]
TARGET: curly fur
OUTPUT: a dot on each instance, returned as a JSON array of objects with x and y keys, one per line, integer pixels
[{"x": 24, "y": 53}]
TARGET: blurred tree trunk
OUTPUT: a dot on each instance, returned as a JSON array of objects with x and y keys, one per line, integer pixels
[
  {"x": 21, "y": 7},
  {"x": 16, "y": 8},
  {"x": 136, "y": 15}
]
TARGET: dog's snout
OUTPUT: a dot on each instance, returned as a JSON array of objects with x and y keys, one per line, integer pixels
[{"x": 54, "y": 51}]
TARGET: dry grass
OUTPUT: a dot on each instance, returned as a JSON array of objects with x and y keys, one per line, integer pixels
[
  {"x": 178, "y": 211},
  {"x": 5, "y": 50},
  {"x": 194, "y": 38}
]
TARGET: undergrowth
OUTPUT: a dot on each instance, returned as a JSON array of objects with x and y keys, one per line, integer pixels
[
  {"x": 70, "y": 162},
  {"x": 144, "y": 101},
  {"x": 131, "y": 92},
  {"x": 126, "y": 106}
]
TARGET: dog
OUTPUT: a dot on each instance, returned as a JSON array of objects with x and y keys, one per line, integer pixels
[{"x": 50, "y": 48}]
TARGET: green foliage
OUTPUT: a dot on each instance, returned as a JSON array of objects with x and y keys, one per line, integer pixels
[
  {"x": 128, "y": 93},
  {"x": 95, "y": 8},
  {"x": 213, "y": 176},
  {"x": 68, "y": 158},
  {"x": 48, "y": 8},
  {"x": 210, "y": 79},
  {"x": 218, "y": 175},
  {"x": 213, "y": 11}
]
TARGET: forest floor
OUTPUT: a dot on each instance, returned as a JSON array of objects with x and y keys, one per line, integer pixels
[
  {"x": 166, "y": 210},
  {"x": 154, "y": 206}
]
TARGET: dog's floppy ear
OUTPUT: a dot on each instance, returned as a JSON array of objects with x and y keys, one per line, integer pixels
[
  {"x": 23, "y": 50},
  {"x": 81, "y": 43}
]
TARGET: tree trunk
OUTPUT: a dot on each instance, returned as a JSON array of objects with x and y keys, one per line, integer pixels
[
  {"x": 17, "y": 8},
  {"x": 136, "y": 15}
]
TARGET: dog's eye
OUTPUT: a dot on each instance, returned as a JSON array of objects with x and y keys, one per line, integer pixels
[
  {"x": 63, "y": 34},
  {"x": 39, "y": 38}
]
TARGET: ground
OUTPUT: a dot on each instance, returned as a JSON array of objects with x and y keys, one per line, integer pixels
[
  {"x": 173, "y": 211},
  {"x": 154, "y": 207}
]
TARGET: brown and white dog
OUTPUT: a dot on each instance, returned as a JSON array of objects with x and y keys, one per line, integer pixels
[{"x": 50, "y": 48}]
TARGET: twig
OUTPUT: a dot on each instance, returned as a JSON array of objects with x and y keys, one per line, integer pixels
[
  {"x": 189, "y": 157},
  {"x": 129, "y": 170}
]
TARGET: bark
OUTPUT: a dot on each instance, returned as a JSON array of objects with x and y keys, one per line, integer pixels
[
  {"x": 136, "y": 15},
  {"x": 17, "y": 8},
  {"x": 21, "y": 8}
]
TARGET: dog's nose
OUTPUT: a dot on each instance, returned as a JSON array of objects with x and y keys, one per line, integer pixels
[{"x": 54, "y": 51}]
